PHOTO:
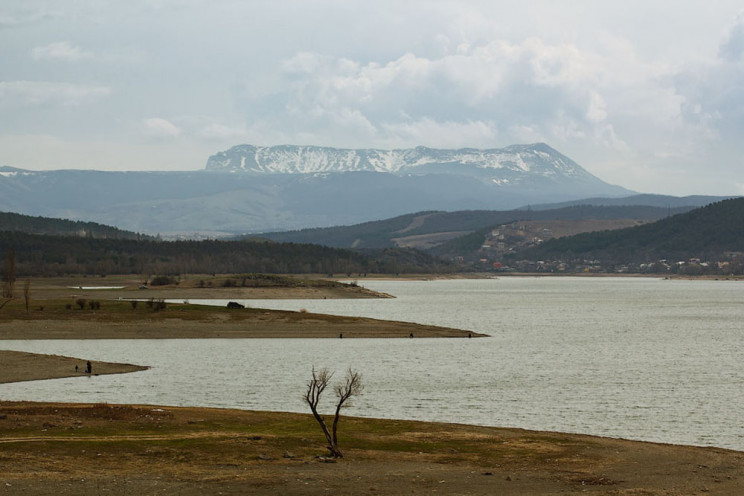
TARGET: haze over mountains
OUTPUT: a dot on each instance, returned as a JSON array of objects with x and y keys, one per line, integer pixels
[{"x": 250, "y": 189}]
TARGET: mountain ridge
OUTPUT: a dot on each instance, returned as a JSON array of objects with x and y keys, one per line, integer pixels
[
  {"x": 500, "y": 166},
  {"x": 303, "y": 187}
]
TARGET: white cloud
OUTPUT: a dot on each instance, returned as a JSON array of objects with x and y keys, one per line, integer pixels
[
  {"x": 732, "y": 47},
  {"x": 637, "y": 92},
  {"x": 222, "y": 132},
  {"x": 475, "y": 94},
  {"x": 61, "y": 50},
  {"x": 25, "y": 93},
  {"x": 437, "y": 134},
  {"x": 12, "y": 20},
  {"x": 160, "y": 128}
]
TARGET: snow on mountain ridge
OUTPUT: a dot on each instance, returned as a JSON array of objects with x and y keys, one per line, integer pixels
[{"x": 537, "y": 159}]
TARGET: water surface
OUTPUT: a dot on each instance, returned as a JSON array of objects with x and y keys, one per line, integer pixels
[{"x": 625, "y": 357}]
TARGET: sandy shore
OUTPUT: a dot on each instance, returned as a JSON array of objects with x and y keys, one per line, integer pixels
[
  {"x": 62, "y": 319},
  {"x": 128, "y": 287},
  {"x": 17, "y": 366},
  {"x": 72, "y": 449}
]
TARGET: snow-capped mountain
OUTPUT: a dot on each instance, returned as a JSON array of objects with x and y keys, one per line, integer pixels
[
  {"x": 253, "y": 189},
  {"x": 499, "y": 166}
]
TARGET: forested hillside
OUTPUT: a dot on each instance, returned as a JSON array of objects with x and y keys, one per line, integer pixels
[
  {"x": 59, "y": 255},
  {"x": 713, "y": 232},
  {"x": 62, "y": 227},
  {"x": 389, "y": 232}
]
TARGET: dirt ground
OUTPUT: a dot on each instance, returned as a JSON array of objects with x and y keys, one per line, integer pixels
[
  {"x": 18, "y": 366},
  {"x": 117, "y": 320},
  {"x": 70, "y": 449},
  {"x": 128, "y": 286}
]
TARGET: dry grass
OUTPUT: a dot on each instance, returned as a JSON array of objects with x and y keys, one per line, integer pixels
[
  {"x": 120, "y": 449},
  {"x": 61, "y": 319}
]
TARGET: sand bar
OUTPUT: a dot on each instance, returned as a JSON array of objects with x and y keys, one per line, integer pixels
[{"x": 18, "y": 366}]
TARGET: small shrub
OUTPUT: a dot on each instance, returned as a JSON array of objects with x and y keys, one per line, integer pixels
[
  {"x": 81, "y": 303},
  {"x": 68, "y": 307},
  {"x": 162, "y": 281},
  {"x": 134, "y": 304},
  {"x": 229, "y": 283},
  {"x": 94, "y": 305}
]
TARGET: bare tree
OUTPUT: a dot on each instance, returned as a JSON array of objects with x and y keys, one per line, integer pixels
[
  {"x": 27, "y": 293},
  {"x": 352, "y": 386},
  {"x": 9, "y": 274}
]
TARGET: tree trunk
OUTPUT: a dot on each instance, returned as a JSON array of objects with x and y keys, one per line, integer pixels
[{"x": 332, "y": 445}]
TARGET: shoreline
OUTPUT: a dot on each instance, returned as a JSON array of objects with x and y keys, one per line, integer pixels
[
  {"x": 121, "y": 449},
  {"x": 21, "y": 366},
  {"x": 118, "y": 320},
  {"x": 80, "y": 448}
]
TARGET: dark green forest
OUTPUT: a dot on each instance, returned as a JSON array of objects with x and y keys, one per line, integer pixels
[
  {"x": 714, "y": 232},
  {"x": 62, "y": 227},
  {"x": 39, "y": 255}
]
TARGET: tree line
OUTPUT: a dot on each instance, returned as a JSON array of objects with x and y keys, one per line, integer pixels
[{"x": 39, "y": 255}]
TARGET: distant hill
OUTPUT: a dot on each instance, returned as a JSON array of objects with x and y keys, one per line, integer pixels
[
  {"x": 429, "y": 229},
  {"x": 709, "y": 233},
  {"x": 47, "y": 255},
  {"x": 62, "y": 227},
  {"x": 662, "y": 201}
]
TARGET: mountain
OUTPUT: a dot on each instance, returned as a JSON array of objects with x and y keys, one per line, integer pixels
[
  {"x": 517, "y": 166},
  {"x": 713, "y": 232},
  {"x": 250, "y": 189}
]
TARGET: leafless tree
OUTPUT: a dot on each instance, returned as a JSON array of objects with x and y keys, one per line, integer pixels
[
  {"x": 27, "y": 293},
  {"x": 352, "y": 386},
  {"x": 9, "y": 274}
]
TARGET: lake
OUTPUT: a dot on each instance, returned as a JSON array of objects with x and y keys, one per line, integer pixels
[{"x": 638, "y": 358}]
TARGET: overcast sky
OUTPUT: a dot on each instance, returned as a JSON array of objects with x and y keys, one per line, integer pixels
[{"x": 645, "y": 94}]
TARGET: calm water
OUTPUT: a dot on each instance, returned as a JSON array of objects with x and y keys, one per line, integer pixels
[{"x": 635, "y": 358}]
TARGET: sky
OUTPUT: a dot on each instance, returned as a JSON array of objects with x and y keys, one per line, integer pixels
[{"x": 647, "y": 94}]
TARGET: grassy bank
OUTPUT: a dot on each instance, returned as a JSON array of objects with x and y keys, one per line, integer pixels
[
  {"x": 68, "y": 449},
  {"x": 75, "y": 318}
]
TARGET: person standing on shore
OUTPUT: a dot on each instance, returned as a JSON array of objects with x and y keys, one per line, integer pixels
[{"x": 88, "y": 367}]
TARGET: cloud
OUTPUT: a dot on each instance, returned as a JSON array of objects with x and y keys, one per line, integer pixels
[
  {"x": 475, "y": 94},
  {"x": 8, "y": 20},
  {"x": 439, "y": 134},
  {"x": 713, "y": 92},
  {"x": 732, "y": 47},
  {"x": 33, "y": 93},
  {"x": 61, "y": 50},
  {"x": 160, "y": 128}
]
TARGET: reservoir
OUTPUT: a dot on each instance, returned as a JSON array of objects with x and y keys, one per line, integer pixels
[{"x": 637, "y": 358}]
